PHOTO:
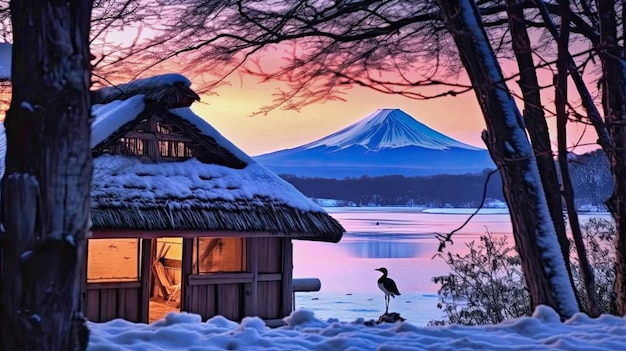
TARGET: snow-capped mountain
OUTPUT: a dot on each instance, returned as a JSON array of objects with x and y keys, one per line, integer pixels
[
  {"x": 388, "y": 128},
  {"x": 386, "y": 142}
]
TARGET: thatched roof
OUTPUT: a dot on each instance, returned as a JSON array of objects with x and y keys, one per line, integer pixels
[
  {"x": 128, "y": 193},
  {"x": 190, "y": 195},
  {"x": 167, "y": 90}
]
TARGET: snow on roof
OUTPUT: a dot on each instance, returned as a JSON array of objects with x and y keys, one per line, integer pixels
[
  {"x": 187, "y": 195},
  {"x": 140, "y": 86},
  {"x": 304, "y": 332},
  {"x": 208, "y": 130},
  {"x": 110, "y": 117}
]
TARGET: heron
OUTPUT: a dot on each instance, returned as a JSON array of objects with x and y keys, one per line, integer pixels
[{"x": 388, "y": 286}]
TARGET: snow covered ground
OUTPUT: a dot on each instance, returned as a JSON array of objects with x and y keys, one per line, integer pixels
[{"x": 303, "y": 331}]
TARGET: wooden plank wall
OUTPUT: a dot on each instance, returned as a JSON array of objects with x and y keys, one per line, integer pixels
[
  {"x": 251, "y": 296},
  {"x": 269, "y": 287},
  {"x": 230, "y": 301},
  {"x": 264, "y": 290},
  {"x": 269, "y": 295},
  {"x": 287, "y": 283},
  {"x": 107, "y": 303},
  {"x": 270, "y": 255},
  {"x": 218, "y": 299}
]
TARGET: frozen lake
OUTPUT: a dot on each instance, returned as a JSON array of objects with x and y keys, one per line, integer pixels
[{"x": 401, "y": 239}]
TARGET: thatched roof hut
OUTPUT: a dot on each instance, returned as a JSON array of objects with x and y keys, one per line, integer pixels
[{"x": 179, "y": 213}]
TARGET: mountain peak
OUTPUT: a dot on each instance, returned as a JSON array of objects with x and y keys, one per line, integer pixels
[
  {"x": 387, "y": 129},
  {"x": 385, "y": 142}
]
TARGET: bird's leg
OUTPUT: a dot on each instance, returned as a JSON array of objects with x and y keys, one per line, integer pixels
[{"x": 386, "y": 304}]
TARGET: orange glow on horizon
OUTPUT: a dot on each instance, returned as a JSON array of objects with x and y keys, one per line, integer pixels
[{"x": 230, "y": 112}]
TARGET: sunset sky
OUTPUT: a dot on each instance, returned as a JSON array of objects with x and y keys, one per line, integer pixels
[
  {"x": 458, "y": 117},
  {"x": 230, "y": 110}
]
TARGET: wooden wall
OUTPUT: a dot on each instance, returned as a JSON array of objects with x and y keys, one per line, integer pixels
[
  {"x": 218, "y": 296},
  {"x": 107, "y": 301},
  {"x": 264, "y": 290},
  {"x": 270, "y": 269}
]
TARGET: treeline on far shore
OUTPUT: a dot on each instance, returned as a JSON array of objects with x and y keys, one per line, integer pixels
[
  {"x": 589, "y": 173},
  {"x": 395, "y": 190}
]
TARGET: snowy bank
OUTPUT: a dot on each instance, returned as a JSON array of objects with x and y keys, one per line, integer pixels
[{"x": 303, "y": 331}]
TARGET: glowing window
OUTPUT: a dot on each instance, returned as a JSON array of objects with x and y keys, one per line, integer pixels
[{"x": 113, "y": 260}]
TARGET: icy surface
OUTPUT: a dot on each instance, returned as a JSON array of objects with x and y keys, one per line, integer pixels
[
  {"x": 303, "y": 331},
  {"x": 389, "y": 128}
]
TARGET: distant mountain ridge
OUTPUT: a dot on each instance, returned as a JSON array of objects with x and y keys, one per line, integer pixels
[{"x": 386, "y": 142}]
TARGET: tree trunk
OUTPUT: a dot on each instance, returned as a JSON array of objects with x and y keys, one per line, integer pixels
[
  {"x": 586, "y": 271},
  {"x": 535, "y": 237},
  {"x": 536, "y": 123},
  {"x": 46, "y": 183},
  {"x": 613, "y": 85}
]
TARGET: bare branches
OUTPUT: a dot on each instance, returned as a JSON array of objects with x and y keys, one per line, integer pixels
[{"x": 318, "y": 49}]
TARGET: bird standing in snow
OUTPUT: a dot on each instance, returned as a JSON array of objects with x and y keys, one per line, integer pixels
[{"x": 388, "y": 286}]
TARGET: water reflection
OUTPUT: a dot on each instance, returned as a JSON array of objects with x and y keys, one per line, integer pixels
[{"x": 377, "y": 248}]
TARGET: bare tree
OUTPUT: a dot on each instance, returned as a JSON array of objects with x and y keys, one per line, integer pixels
[
  {"x": 535, "y": 120},
  {"x": 46, "y": 182},
  {"x": 568, "y": 190},
  {"x": 535, "y": 238},
  {"x": 614, "y": 103},
  {"x": 394, "y": 46}
]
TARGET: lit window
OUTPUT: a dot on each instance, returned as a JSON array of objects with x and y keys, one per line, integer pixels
[
  {"x": 112, "y": 260},
  {"x": 131, "y": 146},
  {"x": 169, "y": 148}
]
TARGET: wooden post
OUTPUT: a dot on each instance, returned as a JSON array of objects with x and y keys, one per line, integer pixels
[
  {"x": 185, "y": 271},
  {"x": 150, "y": 145},
  {"x": 83, "y": 279},
  {"x": 251, "y": 298},
  {"x": 287, "y": 293},
  {"x": 145, "y": 276}
]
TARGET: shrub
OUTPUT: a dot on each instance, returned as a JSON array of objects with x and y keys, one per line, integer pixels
[
  {"x": 486, "y": 285},
  {"x": 599, "y": 238}
]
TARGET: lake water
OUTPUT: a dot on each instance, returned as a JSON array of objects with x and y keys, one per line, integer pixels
[{"x": 400, "y": 239}]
